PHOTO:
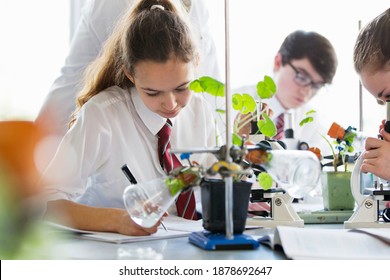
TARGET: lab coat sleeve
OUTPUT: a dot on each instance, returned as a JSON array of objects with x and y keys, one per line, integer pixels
[
  {"x": 85, "y": 147},
  {"x": 208, "y": 54},
  {"x": 96, "y": 24}
]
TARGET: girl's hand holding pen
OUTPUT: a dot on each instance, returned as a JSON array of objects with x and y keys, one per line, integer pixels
[{"x": 125, "y": 225}]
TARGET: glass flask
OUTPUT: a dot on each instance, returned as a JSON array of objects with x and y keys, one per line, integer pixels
[
  {"x": 147, "y": 202},
  {"x": 298, "y": 172}
]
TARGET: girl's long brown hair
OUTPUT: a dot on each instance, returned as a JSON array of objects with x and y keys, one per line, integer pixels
[{"x": 143, "y": 33}]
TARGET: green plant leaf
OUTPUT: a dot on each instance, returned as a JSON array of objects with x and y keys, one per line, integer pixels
[
  {"x": 266, "y": 88},
  {"x": 244, "y": 103},
  {"x": 236, "y": 139},
  {"x": 310, "y": 112},
  {"x": 266, "y": 126},
  {"x": 249, "y": 104},
  {"x": 350, "y": 137},
  {"x": 265, "y": 180},
  {"x": 209, "y": 85},
  {"x": 237, "y": 101},
  {"x": 220, "y": 111},
  {"x": 306, "y": 120},
  {"x": 196, "y": 86},
  {"x": 174, "y": 185}
]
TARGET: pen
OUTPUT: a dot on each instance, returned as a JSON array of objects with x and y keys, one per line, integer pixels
[
  {"x": 164, "y": 226},
  {"x": 128, "y": 174}
]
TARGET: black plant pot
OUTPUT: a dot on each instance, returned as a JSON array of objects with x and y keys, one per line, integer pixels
[{"x": 213, "y": 205}]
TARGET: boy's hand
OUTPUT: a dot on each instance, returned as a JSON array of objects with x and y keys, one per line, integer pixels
[{"x": 243, "y": 121}]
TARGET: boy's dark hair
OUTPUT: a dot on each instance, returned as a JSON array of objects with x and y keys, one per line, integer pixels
[{"x": 313, "y": 46}]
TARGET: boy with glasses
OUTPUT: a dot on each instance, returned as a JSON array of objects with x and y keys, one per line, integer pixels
[{"x": 305, "y": 62}]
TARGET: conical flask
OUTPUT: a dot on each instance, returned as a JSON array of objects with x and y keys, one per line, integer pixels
[{"x": 147, "y": 202}]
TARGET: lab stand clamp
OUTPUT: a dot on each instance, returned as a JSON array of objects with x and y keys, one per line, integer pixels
[
  {"x": 366, "y": 214},
  {"x": 281, "y": 211}
]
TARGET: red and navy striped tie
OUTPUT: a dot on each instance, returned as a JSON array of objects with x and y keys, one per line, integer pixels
[
  {"x": 185, "y": 203},
  {"x": 279, "y": 127}
]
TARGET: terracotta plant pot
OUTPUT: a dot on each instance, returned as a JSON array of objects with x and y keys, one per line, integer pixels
[
  {"x": 213, "y": 205},
  {"x": 336, "y": 191}
]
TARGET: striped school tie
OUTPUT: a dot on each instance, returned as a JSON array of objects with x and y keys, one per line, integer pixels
[
  {"x": 185, "y": 203},
  {"x": 279, "y": 127}
]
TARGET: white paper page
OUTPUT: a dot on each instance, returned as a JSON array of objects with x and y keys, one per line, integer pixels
[
  {"x": 180, "y": 224},
  {"x": 380, "y": 233},
  {"x": 120, "y": 238},
  {"x": 314, "y": 243},
  {"x": 116, "y": 237}
]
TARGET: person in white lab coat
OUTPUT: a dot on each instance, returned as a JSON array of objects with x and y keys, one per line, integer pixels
[
  {"x": 96, "y": 24},
  {"x": 372, "y": 63},
  {"x": 140, "y": 80},
  {"x": 305, "y": 62}
]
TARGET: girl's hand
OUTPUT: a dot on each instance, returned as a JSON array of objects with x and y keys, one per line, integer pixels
[
  {"x": 382, "y": 126},
  {"x": 376, "y": 158},
  {"x": 128, "y": 227}
]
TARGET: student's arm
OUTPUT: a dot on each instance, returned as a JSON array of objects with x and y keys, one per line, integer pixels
[{"x": 95, "y": 219}]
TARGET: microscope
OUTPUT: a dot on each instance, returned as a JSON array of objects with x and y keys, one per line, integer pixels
[
  {"x": 291, "y": 143},
  {"x": 280, "y": 210},
  {"x": 367, "y": 213}
]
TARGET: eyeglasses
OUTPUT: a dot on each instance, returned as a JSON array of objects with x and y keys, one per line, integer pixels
[{"x": 304, "y": 80}]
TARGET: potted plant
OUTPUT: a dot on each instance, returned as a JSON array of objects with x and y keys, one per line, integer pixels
[
  {"x": 336, "y": 184},
  {"x": 243, "y": 103},
  {"x": 212, "y": 190}
]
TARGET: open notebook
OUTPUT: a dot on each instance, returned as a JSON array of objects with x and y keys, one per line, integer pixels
[
  {"x": 319, "y": 243},
  {"x": 176, "y": 227}
]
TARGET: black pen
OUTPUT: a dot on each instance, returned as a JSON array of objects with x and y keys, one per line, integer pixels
[{"x": 128, "y": 174}]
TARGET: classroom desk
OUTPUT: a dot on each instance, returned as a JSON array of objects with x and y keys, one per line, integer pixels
[{"x": 168, "y": 249}]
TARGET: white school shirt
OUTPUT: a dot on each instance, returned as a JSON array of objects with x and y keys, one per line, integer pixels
[
  {"x": 115, "y": 128},
  {"x": 312, "y": 132},
  {"x": 97, "y": 22}
]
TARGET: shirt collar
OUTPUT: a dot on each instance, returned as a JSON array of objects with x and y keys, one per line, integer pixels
[
  {"x": 153, "y": 121},
  {"x": 276, "y": 107}
]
